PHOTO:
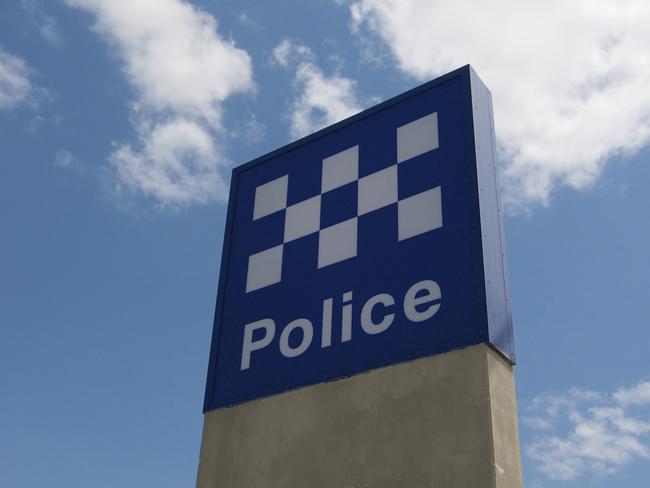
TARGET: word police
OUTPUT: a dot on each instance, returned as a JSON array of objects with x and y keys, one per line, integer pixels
[{"x": 421, "y": 302}]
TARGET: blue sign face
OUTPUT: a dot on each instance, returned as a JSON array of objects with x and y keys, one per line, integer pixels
[{"x": 372, "y": 242}]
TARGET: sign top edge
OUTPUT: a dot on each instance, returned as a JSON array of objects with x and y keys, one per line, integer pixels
[{"x": 462, "y": 72}]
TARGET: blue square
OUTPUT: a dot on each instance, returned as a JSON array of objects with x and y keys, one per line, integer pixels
[
  {"x": 300, "y": 257},
  {"x": 375, "y": 157},
  {"x": 418, "y": 174},
  {"x": 338, "y": 205},
  {"x": 304, "y": 180},
  {"x": 269, "y": 232},
  {"x": 380, "y": 225}
]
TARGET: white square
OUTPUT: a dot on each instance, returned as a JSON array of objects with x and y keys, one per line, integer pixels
[
  {"x": 419, "y": 214},
  {"x": 337, "y": 243},
  {"x": 377, "y": 190},
  {"x": 417, "y": 137},
  {"x": 270, "y": 197},
  {"x": 340, "y": 169},
  {"x": 264, "y": 268},
  {"x": 302, "y": 219}
]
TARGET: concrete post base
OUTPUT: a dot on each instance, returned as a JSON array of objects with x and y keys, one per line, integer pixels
[{"x": 447, "y": 421}]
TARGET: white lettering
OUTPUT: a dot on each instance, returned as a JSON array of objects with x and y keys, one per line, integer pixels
[
  {"x": 250, "y": 345},
  {"x": 421, "y": 302},
  {"x": 307, "y": 336},
  {"x": 326, "y": 332},
  {"x": 346, "y": 318},
  {"x": 366, "y": 314},
  {"x": 411, "y": 300}
]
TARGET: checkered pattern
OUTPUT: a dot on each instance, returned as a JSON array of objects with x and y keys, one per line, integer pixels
[{"x": 417, "y": 214}]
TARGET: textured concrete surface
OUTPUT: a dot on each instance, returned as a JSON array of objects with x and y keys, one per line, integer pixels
[{"x": 446, "y": 421}]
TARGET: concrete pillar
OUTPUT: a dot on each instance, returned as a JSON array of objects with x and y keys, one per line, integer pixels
[{"x": 446, "y": 421}]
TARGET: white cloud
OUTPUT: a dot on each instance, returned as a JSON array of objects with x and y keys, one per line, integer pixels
[
  {"x": 280, "y": 53},
  {"x": 569, "y": 80},
  {"x": 182, "y": 71},
  {"x": 637, "y": 395},
  {"x": 172, "y": 54},
  {"x": 289, "y": 52},
  {"x": 582, "y": 432},
  {"x": 322, "y": 100},
  {"x": 15, "y": 86},
  {"x": 178, "y": 164}
]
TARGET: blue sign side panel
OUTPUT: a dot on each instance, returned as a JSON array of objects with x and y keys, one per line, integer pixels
[
  {"x": 450, "y": 255},
  {"x": 223, "y": 278},
  {"x": 496, "y": 280}
]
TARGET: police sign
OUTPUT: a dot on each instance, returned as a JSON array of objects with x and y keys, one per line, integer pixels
[{"x": 374, "y": 241}]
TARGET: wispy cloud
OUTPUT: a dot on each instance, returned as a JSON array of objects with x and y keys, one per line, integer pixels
[
  {"x": 254, "y": 131},
  {"x": 15, "y": 85},
  {"x": 44, "y": 23},
  {"x": 322, "y": 99},
  {"x": 580, "y": 433},
  {"x": 246, "y": 20},
  {"x": 569, "y": 79},
  {"x": 182, "y": 70},
  {"x": 64, "y": 159}
]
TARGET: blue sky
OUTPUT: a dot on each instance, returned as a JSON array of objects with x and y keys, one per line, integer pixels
[{"x": 120, "y": 121}]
